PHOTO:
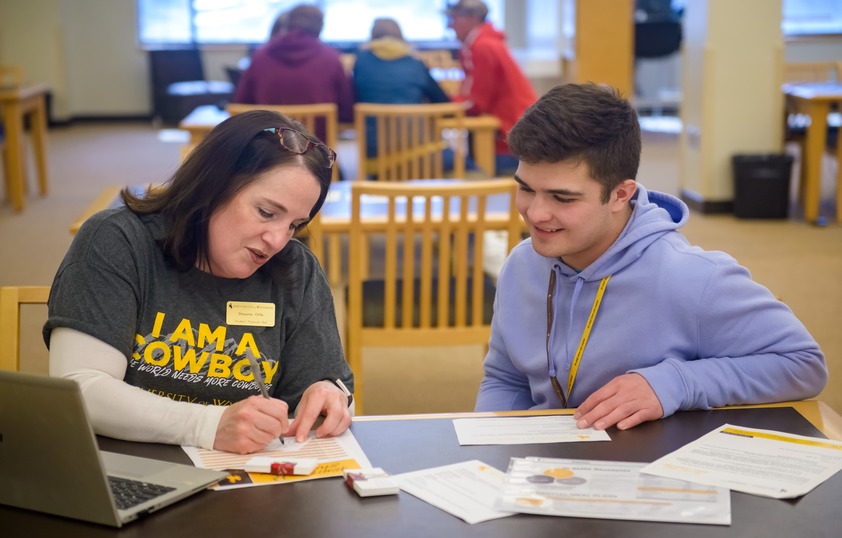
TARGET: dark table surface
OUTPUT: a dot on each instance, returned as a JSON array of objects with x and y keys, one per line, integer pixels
[{"x": 327, "y": 508}]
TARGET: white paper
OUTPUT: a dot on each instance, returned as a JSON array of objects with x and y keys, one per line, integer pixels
[
  {"x": 342, "y": 451},
  {"x": 326, "y": 449},
  {"x": 761, "y": 462},
  {"x": 523, "y": 430},
  {"x": 609, "y": 490},
  {"x": 466, "y": 490}
]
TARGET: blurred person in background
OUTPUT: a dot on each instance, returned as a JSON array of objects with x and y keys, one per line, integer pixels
[
  {"x": 296, "y": 68},
  {"x": 386, "y": 71},
  {"x": 494, "y": 83}
]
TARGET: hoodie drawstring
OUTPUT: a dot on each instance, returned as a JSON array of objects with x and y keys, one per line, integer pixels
[{"x": 574, "y": 367}]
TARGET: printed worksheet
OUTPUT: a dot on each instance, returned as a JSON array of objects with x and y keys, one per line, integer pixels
[
  {"x": 333, "y": 454},
  {"x": 523, "y": 430},
  {"x": 608, "y": 490},
  {"x": 466, "y": 490},
  {"x": 761, "y": 462}
]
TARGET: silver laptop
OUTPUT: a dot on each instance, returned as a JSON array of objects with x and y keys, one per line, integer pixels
[{"x": 49, "y": 460}]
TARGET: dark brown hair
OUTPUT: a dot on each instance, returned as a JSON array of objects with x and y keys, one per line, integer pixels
[
  {"x": 581, "y": 122},
  {"x": 235, "y": 153}
]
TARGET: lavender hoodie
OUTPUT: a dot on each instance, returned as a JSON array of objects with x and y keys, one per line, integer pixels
[{"x": 693, "y": 323}]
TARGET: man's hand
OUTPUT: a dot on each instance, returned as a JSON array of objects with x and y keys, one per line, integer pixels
[
  {"x": 626, "y": 401},
  {"x": 251, "y": 424},
  {"x": 321, "y": 398}
]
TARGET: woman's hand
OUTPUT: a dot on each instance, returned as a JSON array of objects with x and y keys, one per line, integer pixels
[
  {"x": 251, "y": 424},
  {"x": 321, "y": 398}
]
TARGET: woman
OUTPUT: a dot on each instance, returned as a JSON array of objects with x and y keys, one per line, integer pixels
[{"x": 157, "y": 305}]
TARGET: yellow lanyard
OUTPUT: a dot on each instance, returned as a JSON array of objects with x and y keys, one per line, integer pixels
[{"x": 583, "y": 342}]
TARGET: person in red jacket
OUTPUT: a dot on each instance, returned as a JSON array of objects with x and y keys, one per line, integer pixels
[
  {"x": 494, "y": 83},
  {"x": 296, "y": 68}
]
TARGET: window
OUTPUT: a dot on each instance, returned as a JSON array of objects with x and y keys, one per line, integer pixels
[
  {"x": 347, "y": 22},
  {"x": 811, "y": 17}
]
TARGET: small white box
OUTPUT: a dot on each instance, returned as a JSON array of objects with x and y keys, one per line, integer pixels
[{"x": 370, "y": 482}]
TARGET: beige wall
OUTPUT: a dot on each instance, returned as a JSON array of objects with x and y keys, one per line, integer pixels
[
  {"x": 84, "y": 50},
  {"x": 731, "y": 83},
  {"x": 31, "y": 36}
]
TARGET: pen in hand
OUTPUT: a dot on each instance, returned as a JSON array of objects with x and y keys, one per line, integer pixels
[{"x": 258, "y": 378}]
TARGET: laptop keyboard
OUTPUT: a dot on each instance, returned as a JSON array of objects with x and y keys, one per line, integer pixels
[{"x": 129, "y": 493}]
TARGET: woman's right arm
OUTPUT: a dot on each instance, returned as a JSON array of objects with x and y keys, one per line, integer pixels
[{"x": 119, "y": 410}]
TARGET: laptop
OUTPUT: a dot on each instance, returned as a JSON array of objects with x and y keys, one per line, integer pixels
[{"x": 49, "y": 460}]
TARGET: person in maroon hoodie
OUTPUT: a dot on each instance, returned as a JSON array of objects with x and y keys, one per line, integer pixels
[
  {"x": 296, "y": 68},
  {"x": 494, "y": 83}
]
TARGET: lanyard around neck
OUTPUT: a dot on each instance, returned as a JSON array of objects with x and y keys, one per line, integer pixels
[
  {"x": 582, "y": 343},
  {"x": 587, "y": 332}
]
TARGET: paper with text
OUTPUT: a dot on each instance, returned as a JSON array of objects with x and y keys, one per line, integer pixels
[
  {"x": 609, "y": 490},
  {"x": 523, "y": 430},
  {"x": 466, "y": 490},
  {"x": 333, "y": 454},
  {"x": 761, "y": 462}
]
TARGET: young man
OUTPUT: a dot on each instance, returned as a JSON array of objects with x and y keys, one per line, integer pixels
[
  {"x": 607, "y": 307},
  {"x": 494, "y": 83}
]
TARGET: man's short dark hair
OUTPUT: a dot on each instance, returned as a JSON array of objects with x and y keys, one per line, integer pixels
[
  {"x": 306, "y": 18},
  {"x": 581, "y": 122}
]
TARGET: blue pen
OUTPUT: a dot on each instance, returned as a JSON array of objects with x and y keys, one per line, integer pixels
[{"x": 255, "y": 370}]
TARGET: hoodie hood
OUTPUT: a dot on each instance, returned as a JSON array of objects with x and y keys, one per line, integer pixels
[
  {"x": 653, "y": 215},
  {"x": 485, "y": 31},
  {"x": 294, "y": 48},
  {"x": 389, "y": 48}
]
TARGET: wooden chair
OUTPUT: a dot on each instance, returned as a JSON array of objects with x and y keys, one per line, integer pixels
[
  {"x": 812, "y": 71},
  {"x": 315, "y": 238},
  {"x": 320, "y": 119},
  {"x": 409, "y": 142},
  {"x": 433, "y": 291},
  {"x": 11, "y": 299}
]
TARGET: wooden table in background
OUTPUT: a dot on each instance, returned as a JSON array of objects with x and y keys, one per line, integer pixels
[
  {"x": 16, "y": 103},
  {"x": 814, "y": 99},
  {"x": 109, "y": 197}
]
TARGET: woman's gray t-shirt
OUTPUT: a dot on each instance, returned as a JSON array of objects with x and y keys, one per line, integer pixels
[{"x": 116, "y": 285}]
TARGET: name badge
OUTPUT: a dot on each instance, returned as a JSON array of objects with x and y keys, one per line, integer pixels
[{"x": 251, "y": 314}]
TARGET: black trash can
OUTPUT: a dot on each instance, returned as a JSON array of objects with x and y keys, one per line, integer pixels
[{"x": 761, "y": 185}]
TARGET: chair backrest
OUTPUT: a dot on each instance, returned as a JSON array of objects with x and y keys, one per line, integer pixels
[
  {"x": 234, "y": 74},
  {"x": 433, "y": 290},
  {"x": 812, "y": 72},
  {"x": 176, "y": 65},
  {"x": 444, "y": 68},
  {"x": 11, "y": 299},
  {"x": 315, "y": 238},
  {"x": 438, "y": 59},
  {"x": 320, "y": 119},
  {"x": 400, "y": 142}
]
